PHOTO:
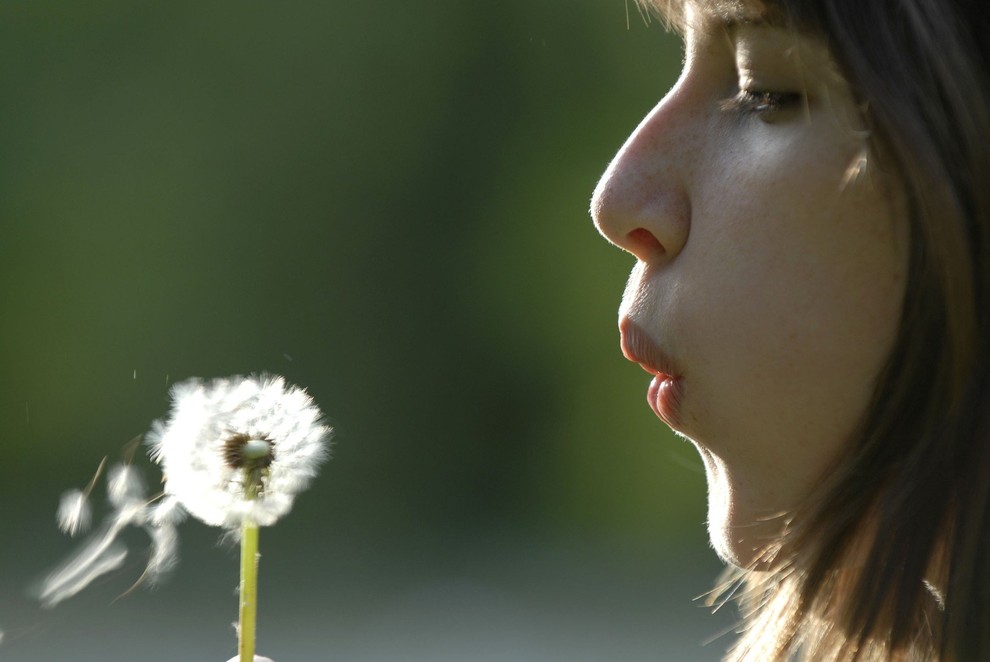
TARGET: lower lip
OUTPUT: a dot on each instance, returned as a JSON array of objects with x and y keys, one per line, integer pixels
[{"x": 664, "y": 396}]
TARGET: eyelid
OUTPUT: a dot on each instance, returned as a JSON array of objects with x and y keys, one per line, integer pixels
[
  {"x": 758, "y": 95},
  {"x": 764, "y": 103}
]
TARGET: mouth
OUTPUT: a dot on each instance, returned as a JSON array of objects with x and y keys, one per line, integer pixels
[
  {"x": 639, "y": 348},
  {"x": 665, "y": 391}
]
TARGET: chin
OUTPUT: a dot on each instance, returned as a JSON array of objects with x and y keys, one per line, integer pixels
[
  {"x": 738, "y": 536},
  {"x": 730, "y": 551}
]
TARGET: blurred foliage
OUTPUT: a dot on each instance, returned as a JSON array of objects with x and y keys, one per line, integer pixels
[{"x": 385, "y": 202}]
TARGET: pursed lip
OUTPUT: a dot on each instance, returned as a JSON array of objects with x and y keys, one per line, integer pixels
[
  {"x": 666, "y": 390},
  {"x": 639, "y": 348}
]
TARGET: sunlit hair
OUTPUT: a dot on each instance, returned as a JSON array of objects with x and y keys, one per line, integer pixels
[{"x": 890, "y": 558}]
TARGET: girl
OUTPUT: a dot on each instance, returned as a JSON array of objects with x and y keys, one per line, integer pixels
[{"x": 809, "y": 209}]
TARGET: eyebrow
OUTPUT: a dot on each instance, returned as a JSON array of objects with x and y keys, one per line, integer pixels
[
  {"x": 735, "y": 14},
  {"x": 722, "y": 15},
  {"x": 726, "y": 14}
]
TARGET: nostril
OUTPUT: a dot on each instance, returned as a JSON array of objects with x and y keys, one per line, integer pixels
[{"x": 644, "y": 244}]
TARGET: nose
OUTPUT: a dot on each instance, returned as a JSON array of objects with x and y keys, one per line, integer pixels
[{"x": 641, "y": 203}]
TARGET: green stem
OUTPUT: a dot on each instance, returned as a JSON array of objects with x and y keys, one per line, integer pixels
[{"x": 249, "y": 590}]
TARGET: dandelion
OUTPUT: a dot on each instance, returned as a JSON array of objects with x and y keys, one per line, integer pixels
[
  {"x": 239, "y": 449},
  {"x": 235, "y": 453}
]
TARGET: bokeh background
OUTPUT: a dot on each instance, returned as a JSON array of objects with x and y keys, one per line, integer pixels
[{"x": 386, "y": 202}]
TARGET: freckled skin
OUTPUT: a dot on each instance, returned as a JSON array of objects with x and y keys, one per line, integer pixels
[{"x": 775, "y": 270}]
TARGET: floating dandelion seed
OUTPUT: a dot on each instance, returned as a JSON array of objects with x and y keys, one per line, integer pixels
[
  {"x": 239, "y": 449},
  {"x": 97, "y": 556},
  {"x": 124, "y": 486},
  {"x": 74, "y": 513},
  {"x": 167, "y": 511},
  {"x": 164, "y": 553},
  {"x": 102, "y": 552}
]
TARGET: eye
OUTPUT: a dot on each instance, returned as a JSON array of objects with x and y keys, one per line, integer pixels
[{"x": 764, "y": 103}]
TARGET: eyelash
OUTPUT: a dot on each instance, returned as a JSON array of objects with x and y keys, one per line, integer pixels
[{"x": 760, "y": 102}]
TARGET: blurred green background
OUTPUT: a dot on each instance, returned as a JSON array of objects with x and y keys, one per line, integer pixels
[{"x": 387, "y": 204}]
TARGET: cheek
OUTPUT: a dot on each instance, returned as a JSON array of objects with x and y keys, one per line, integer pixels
[{"x": 795, "y": 291}]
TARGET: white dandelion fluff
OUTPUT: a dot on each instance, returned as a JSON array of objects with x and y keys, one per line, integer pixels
[
  {"x": 164, "y": 552},
  {"x": 124, "y": 486},
  {"x": 74, "y": 513},
  {"x": 167, "y": 511},
  {"x": 96, "y": 557},
  {"x": 238, "y": 449}
]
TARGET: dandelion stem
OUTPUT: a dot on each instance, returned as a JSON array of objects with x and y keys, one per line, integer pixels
[{"x": 249, "y": 590}]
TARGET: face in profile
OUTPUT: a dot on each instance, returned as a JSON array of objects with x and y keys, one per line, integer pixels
[{"x": 771, "y": 260}]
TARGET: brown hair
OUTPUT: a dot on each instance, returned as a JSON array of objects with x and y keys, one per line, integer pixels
[{"x": 908, "y": 505}]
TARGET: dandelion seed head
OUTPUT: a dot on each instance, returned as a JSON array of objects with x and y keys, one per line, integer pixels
[
  {"x": 240, "y": 451},
  {"x": 74, "y": 513},
  {"x": 225, "y": 434}
]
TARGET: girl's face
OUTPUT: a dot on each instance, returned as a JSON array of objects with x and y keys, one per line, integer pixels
[{"x": 771, "y": 264}]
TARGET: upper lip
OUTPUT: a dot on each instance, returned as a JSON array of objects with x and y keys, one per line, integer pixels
[{"x": 639, "y": 348}]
